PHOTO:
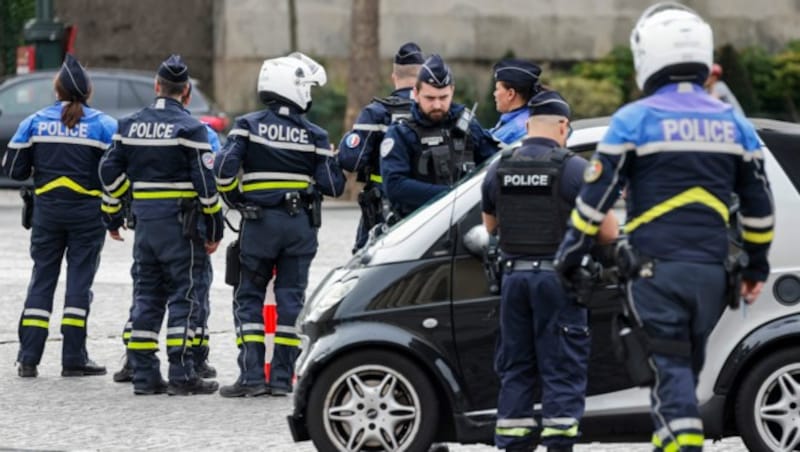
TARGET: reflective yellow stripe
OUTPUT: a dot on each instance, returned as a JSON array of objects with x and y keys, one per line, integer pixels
[
  {"x": 229, "y": 187},
  {"x": 126, "y": 335},
  {"x": 107, "y": 208},
  {"x": 66, "y": 182},
  {"x": 35, "y": 322},
  {"x": 692, "y": 195},
  {"x": 516, "y": 431},
  {"x": 656, "y": 441},
  {"x": 73, "y": 322},
  {"x": 287, "y": 341},
  {"x": 274, "y": 185},
  {"x": 758, "y": 237},
  {"x": 684, "y": 439},
  {"x": 212, "y": 210},
  {"x": 569, "y": 433},
  {"x": 250, "y": 338},
  {"x": 143, "y": 345},
  {"x": 200, "y": 342},
  {"x": 583, "y": 226},
  {"x": 177, "y": 342},
  {"x": 121, "y": 190},
  {"x": 376, "y": 178},
  {"x": 168, "y": 194}
]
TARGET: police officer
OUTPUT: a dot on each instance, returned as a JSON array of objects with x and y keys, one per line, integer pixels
[
  {"x": 201, "y": 336},
  {"x": 515, "y": 82},
  {"x": 162, "y": 153},
  {"x": 358, "y": 150},
  {"x": 286, "y": 162},
  {"x": 61, "y": 146},
  {"x": 426, "y": 154},
  {"x": 682, "y": 154},
  {"x": 526, "y": 198}
]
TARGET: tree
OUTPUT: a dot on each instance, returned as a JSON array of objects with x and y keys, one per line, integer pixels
[{"x": 363, "y": 73}]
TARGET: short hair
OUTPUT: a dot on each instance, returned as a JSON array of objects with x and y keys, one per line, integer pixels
[
  {"x": 405, "y": 70},
  {"x": 171, "y": 89}
]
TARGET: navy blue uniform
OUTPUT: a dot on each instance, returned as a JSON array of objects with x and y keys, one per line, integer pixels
[
  {"x": 401, "y": 151},
  {"x": 681, "y": 154},
  {"x": 163, "y": 155},
  {"x": 66, "y": 218},
  {"x": 280, "y": 153},
  {"x": 544, "y": 333},
  {"x": 359, "y": 149}
]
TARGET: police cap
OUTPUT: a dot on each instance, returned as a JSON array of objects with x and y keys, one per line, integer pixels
[
  {"x": 73, "y": 78},
  {"x": 549, "y": 103},
  {"x": 173, "y": 69},
  {"x": 409, "y": 53},
  {"x": 435, "y": 72},
  {"x": 517, "y": 72}
]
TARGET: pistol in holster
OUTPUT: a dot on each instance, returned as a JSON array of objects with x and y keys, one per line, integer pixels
[
  {"x": 233, "y": 266},
  {"x": 371, "y": 202},
  {"x": 492, "y": 267},
  {"x": 313, "y": 204},
  {"x": 127, "y": 207},
  {"x": 735, "y": 262},
  {"x": 26, "y": 193},
  {"x": 190, "y": 213}
]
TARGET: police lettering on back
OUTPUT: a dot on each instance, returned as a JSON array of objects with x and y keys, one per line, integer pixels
[
  {"x": 526, "y": 180},
  {"x": 151, "y": 130},
  {"x": 702, "y": 130},
  {"x": 279, "y": 132},
  {"x": 56, "y": 128}
]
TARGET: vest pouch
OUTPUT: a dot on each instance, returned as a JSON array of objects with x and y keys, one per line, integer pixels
[{"x": 631, "y": 349}]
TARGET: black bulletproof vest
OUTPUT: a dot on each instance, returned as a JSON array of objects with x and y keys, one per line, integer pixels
[
  {"x": 397, "y": 108},
  {"x": 446, "y": 154},
  {"x": 530, "y": 211}
]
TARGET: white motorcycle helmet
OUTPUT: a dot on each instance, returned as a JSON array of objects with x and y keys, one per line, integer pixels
[
  {"x": 674, "y": 37},
  {"x": 289, "y": 79}
]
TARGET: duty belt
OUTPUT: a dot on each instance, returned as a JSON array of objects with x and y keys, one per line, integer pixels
[{"x": 527, "y": 265}]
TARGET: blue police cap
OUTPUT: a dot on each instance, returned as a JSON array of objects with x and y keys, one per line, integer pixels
[
  {"x": 173, "y": 69},
  {"x": 435, "y": 72},
  {"x": 549, "y": 103},
  {"x": 73, "y": 78},
  {"x": 409, "y": 53},
  {"x": 517, "y": 72}
]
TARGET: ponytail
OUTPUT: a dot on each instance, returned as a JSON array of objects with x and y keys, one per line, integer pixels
[{"x": 72, "y": 112}]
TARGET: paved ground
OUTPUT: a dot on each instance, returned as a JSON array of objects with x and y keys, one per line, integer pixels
[{"x": 94, "y": 413}]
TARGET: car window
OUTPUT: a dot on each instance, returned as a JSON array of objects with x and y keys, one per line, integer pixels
[
  {"x": 198, "y": 103},
  {"x": 128, "y": 100},
  {"x": 143, "y": 91},
  {"x": 105, "y": 94},
  {"x": 27, "y": 97}
]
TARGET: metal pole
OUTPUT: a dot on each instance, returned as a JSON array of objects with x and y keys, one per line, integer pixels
[{"x": 44, "y": 10}]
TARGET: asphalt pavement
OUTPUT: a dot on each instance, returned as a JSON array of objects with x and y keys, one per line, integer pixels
[{"x": 94, "y": 413}]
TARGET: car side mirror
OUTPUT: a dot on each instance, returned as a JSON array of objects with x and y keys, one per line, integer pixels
[{"x": 476, "y": 240}]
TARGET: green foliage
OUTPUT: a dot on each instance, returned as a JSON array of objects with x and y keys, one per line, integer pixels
[
  {"x": 736, "y": 76},
  {"x": 615, "y": 68},
  {"x": 13, "y": 15},
  {"x": 588, "y": 97},
  {"x": 327, "y": 110}
]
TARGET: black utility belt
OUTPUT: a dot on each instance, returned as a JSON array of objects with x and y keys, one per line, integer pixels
[
  {"x": 293, "y": 203},
  {"x": 518, "y": 265}
]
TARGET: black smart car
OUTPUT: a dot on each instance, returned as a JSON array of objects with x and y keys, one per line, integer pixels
[{"x": 398, "y": 344}]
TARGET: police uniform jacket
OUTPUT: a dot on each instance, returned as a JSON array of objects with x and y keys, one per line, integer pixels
[
  {"x": 401, "y": 149},
  {"x": 681, "y": 154},
  {"x": 570, "y": 181},
  {"x": 279, "y": 151},
  {"x": 163, "y": 154},
  {"x": 511, "y": 126},
  {"x": 359, "y": 148},
  {"x": 65, "y": 160}
]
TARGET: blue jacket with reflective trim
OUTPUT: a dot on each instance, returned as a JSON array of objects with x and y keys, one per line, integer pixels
[
  {"x": 360, "y": 147},
  {"x": 163, "y": 155},
  {"x": 401, "y": 148},
  {"x": 511, "y": 126},
  {"x": 279, "y": 151},
  {"x": 680, "y": 154},
  {"x": 63, "y": 161}
]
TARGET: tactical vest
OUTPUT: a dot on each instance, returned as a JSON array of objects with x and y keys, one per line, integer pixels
[
  {"x": 530, "y": 211},
  {"x": 446, "y": 154},
  {"x": 397, "y": 108}
]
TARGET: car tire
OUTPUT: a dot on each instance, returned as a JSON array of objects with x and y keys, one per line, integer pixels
[
  {"x": 372, "y": 400},
  {"x": 768, "y": 403}
]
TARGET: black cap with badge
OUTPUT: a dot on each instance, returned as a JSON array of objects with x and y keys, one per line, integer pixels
[
  {"x": 74, "y": 79},
  {"x": 517, "y": 72},
  {"x": 435, "y": 72},
  {"x": 549, "y": 103},
  {"x": 409, "y": 53},
  {"x": 173, "y": 69}
]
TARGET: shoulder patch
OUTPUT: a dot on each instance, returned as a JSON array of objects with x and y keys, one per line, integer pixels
[
  {"x": 593, "y": 171},
  {"x": 386, "y": 146},
  {"x": 352, "y": 140},
  {"x": 208, "y": 160}
]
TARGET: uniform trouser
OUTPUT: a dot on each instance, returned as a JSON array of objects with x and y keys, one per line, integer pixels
[
  {"x": 167, "y": 268},
  {"x": 682, "y": 301},
  {"x": 543, "y": 335},
  {"x": 362, "y": 233},
  {"x": 74, "y": 228},
  {"x": 287, "y": 243}
]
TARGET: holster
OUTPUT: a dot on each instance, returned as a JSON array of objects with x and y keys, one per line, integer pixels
[
  {"x": 492, "y": 267},
  {"x": 313, "y": 204},
  {"x": 232, "y": 264},
  {"x": 736, "y": 261},
  {"x": 127, "y": 207},
  {"x": 190, "y": 211},
  {"x": 630, "y": 347},
  {"x": 370, "y": 201},
  {"x": 26, "y": 193}
]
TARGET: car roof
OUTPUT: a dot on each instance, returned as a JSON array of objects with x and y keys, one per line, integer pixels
[{"x": 133, "y": 74}]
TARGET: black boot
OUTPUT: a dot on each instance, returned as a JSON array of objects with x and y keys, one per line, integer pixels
[
  {"x": 158, "y": 388},
  {"x": 27, "y": 370},
  {"x": 559, "y": 448},
  {"x": 124, "y": 375},
  {"x": 87, "y": 369},
  {"x": 240, "y": 390},
  {"x": 196, "y": 387},
  {"x": 205, "y": 370}
]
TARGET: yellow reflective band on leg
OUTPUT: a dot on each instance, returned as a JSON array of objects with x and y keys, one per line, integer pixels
[
  {"x": 287, "y": 341},
  {"x": 66, "y": 182},
  {"x": 178, "y": 342},
  {"x": 121, "y": 190},
  {"x": 581, "y": 225},
  {"x": 126, "y": 335},
  {"x": 213, "y": 209},
  {"x": 571, "y": 432},
  {"x": 690, "y": 196},
  {"x": 518, "y": 432},
  {"x": 250, "y": 338},
  {"x": 758, "y": 237},
  {"x": 35, "y": 322},
  {"x": 274, "y": 185},
  {"x": 685, "y": 439},
  {"x": 166, "y": 194},
  {"x": 74, "y": 322},
  {"x": 107, "y": 208},
  {"x": 229, "y": 187},
  {"x": 197, "y": 342},
  {"x": 656, "y": 441},
  {"x": 143, "y": 345},
  {"x": 376, "y": 178}
]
